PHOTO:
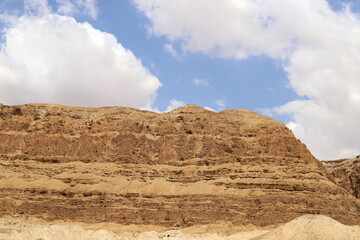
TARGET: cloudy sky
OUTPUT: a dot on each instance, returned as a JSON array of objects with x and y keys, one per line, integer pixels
[{"x": 296, "y": 61}]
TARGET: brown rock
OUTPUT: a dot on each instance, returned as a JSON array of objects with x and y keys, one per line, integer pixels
[
  {"x": 186, "y": 167},
  {"x": 346, "y": 173}
]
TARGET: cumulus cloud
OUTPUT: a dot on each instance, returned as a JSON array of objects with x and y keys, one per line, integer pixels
[
  {"x": 49, "y": 58},
  {"x": 200, "y": 82},
  {"x": 318, "y": 47},
  {"x": 174, "y": 104}
]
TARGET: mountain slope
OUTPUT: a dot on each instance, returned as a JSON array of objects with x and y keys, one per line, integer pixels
[{"x": 187, "y": 167}]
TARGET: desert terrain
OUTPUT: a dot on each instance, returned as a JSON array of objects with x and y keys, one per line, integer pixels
[
  {"x": 307, "y": 227},
  {"x": 122, "y": 173}
]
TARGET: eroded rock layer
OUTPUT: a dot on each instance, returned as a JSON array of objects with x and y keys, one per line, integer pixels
[
  {"x": 346, "y": 173},
  {"x": 182, "y": 168}
]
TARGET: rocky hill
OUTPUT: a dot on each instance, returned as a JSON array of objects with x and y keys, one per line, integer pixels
[
  {"x": 183, "y": 168},
  {"x": 346, "y": 173}
]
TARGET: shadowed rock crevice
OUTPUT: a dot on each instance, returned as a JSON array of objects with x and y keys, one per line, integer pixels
[{"x": 346, "y": 173}]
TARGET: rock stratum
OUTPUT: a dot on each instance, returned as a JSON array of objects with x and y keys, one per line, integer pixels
[
  {"x": 173, "y": 170},
  {"x": 346, "y": 173}
]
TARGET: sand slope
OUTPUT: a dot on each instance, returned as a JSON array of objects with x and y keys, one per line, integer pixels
[
  {"x": 307, "y": 227},
  {"x": 311, "y": 227}
]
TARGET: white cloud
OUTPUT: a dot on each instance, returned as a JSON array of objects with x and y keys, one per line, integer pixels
[
  {"x": 174, "y": 104},
  {"x": 200, "y": 82},
  {"x": 220, "y": 103},
  {"x": 209, "y": 108},
  {"x": 236, "y": 29},
  {"x": 319, "y": 48},
  {"x": 54, "y": 59},
  {"x": 326, "y": 132},
  {"x": 72, "y": 7},
  {"x": 170, "y": 49},
  {"x": 265, "y": 111},
  {"x": 36, "y": 7}
]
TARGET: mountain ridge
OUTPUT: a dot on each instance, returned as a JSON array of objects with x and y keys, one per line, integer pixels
[{"x": 187, "y": 167}]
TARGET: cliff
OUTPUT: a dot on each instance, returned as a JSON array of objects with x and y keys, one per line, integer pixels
[
  {"x": 346, "y": 173},
  {"x": 186, "y": 167}
]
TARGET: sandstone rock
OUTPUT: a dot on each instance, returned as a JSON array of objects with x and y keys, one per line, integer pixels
[
  {"x": 346, "y": 173},
  {"x": 187, "y": 167}
]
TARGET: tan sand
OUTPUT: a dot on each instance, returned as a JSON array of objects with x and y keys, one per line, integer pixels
[{"x": 307, "y": 227}]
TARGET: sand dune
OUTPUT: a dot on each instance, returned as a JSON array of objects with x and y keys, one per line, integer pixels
[
  {"x": 307, "y": 227},
  {"x": 16, "y": 230},
  {"x": 311, "y": 227}
]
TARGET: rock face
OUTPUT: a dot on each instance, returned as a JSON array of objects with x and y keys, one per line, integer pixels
[
  {"x": 187, "y": 167},
  {"x": 346, "y": 173}
]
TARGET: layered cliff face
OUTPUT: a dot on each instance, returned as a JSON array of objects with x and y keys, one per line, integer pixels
[
  {"x": 346, "y": 173},
  {"x": 183, "y": 168}
]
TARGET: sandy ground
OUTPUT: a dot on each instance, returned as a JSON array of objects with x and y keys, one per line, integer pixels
[{"x": 307, "y": 227}]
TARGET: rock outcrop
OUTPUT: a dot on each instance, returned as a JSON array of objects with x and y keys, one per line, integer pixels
[
  {"x": 186, "y": 167},
  {"x": 346, "y": 173}
]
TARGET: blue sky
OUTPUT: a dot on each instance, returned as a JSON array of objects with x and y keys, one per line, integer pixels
[
  {"x": 255, "y": 83},
  {"x": 294, "y": 61}
]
